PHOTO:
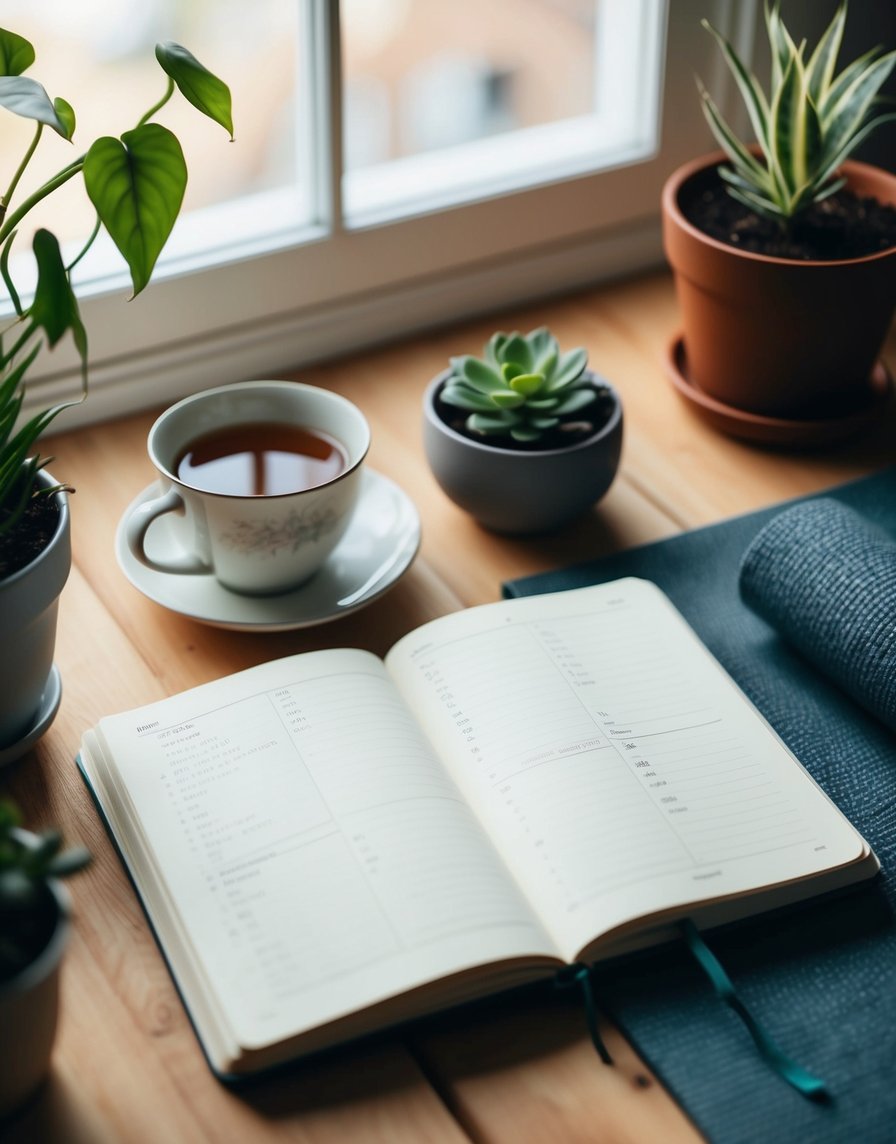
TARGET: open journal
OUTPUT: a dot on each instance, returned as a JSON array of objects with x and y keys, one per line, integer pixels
[{"x": 331, "y": 843}]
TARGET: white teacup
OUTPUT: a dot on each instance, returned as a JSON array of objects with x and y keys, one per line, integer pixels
[{"x": 260, "y": 542}]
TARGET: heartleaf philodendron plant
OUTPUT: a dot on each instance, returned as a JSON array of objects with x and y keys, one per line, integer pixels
[
  {"x": 136, "y": 184},
  {"x": 808, "y": 124},
  {"x": 522, "y": 386}
]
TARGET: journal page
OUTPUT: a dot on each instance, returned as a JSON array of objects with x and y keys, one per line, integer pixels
[
  {"x": 618, "y": 766},
  {"x": 313, "y": 854}
]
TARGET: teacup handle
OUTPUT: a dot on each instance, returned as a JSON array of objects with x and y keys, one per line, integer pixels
[{"x": 138, "y": 524}]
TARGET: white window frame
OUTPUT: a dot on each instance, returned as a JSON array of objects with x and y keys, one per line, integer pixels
[{"x": 298, "y": 297}]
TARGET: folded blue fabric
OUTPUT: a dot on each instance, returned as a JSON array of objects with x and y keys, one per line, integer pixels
[{"x": 825, "y": 579}]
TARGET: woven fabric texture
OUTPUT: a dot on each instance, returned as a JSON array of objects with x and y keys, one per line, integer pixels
[{"x": 826, "y": 581}]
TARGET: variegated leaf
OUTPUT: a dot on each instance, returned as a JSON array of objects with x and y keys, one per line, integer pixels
[
  {"x": 752, "y": 94},
  {"x": 743, "y": 159},
  {"x": 853, "y": 106},
  {"x": 820, "y": 68}
]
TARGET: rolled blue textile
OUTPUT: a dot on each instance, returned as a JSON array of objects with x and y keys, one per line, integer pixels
[{"x": 825, "y": 579}]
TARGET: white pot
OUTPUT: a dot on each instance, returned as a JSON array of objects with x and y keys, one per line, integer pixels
[{"x": 28, "y": 605}]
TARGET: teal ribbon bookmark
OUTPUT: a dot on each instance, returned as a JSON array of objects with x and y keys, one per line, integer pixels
[
  {"x": 795, "y": 1075},
  {"x": 580, "y": 975}
]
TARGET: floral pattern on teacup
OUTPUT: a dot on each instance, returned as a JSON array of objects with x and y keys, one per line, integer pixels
[{"x": 269, "y": 537}]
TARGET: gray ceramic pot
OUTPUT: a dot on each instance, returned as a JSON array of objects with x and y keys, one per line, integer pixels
[
  {"x": 516, "y": 492},
  {"x": 29, "y": 1007},
  {"x": 28, "y": 601}
]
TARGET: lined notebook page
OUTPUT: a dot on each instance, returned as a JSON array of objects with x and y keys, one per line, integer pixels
[
  {"x": 617, "y": 765},
  {"x": 317, "y": 853}
]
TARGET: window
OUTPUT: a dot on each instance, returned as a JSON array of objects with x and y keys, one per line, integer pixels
[
  {"x": 418, "y": 163},
  {"x": 448, "y": 103},
  {"x": 98, "y": 54}
]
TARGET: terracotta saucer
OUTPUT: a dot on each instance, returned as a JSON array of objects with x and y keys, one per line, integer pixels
[{"x": 775, "y": 430}]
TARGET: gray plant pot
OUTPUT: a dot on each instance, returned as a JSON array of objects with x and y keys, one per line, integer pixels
[
  {"x": 29, "y": 1009},
  {"x": 515, "y": 492},
  {"x": 28, "y": 605}
]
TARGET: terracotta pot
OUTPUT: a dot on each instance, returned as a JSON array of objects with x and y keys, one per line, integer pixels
[
  {"x": 28, "y": 607},
  {"x": 29, "y": 1007},
  {"x": 521, "y": 492},
  {"x": 770, "y": 335}
]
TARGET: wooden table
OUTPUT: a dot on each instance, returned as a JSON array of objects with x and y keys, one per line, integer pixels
[{"x": 127, "y": 1065}]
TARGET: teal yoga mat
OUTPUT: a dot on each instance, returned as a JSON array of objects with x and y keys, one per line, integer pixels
[{"x": 821, "y": 978}]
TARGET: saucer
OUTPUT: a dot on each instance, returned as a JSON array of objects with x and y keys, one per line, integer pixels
[
  {"x": 775, "y": 430},
  {"x": 49, "y": 705},
  {"x": 378, "y": 547}
]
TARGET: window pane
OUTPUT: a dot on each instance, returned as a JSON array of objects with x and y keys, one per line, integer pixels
[
  {"x": 421, "y": 76},
  {"x": 99, "y": 56},
  {"x": 444, "y": 102}
]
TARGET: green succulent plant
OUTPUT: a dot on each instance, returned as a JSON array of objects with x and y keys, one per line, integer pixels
[
  {"x": 136, "y": 184},
  {"x": 521, "y": 388},
  {"x": 810, "y": 121},
  {"x": 27, "y": 863}
]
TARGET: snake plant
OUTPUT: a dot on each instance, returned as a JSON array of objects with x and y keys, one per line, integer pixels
[
  {"x": 136, "y": 185},
  {"x": 521, "y": 388},
  {"x": 810, "y": 121}
]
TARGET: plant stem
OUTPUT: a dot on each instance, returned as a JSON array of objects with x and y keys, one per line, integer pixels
[
  {"x": 10, "y": 191},
  {"x": 41, "y": 193},
  {"x": 158, "y": 106},
  {"x": 22, "y": 340},
  {"x": 7, "y": 278},
  {"x": 87, "y": 245}
]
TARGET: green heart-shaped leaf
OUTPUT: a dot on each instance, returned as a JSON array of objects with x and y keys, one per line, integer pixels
[
  {"x": 197, "y": 84},
  {"x": 137, "y": 185},
  {"x": 16, "y": 53},
  {"x": 65, "y": 113},
  {"x": 55, "y": 307},
  {"x": 26, "y": 97}
]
